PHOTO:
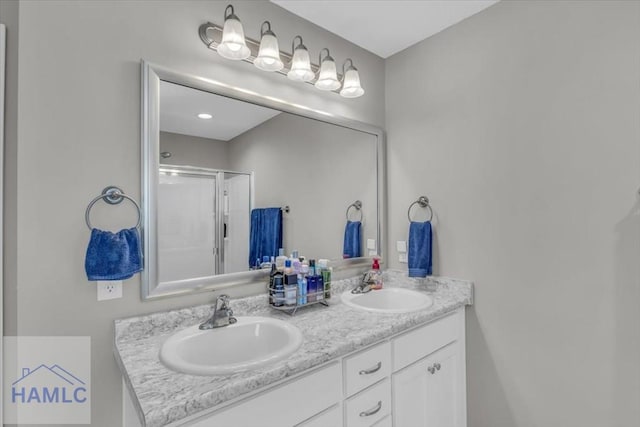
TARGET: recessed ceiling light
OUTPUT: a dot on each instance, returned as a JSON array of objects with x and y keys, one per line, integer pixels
[{"x": 205, "y": 116}]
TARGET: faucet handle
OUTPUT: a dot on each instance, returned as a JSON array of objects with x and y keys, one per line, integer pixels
[{"x": 224, "y": 299}]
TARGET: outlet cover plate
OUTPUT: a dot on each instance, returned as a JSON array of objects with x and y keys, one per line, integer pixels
[{"x": 109, "y": 289}]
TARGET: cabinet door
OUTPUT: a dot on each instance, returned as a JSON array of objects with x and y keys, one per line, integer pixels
[{"x": 428, "y": 394}]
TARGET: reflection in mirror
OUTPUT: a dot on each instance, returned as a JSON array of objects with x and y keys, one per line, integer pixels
[{"x": 212, "y": 160}]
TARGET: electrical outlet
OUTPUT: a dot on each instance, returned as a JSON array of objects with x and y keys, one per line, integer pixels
[
  {"x": 402, "y": 257},
  {"x": 109, "y": 289}
]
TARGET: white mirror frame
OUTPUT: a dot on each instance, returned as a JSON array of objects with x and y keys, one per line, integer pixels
[{"x": 151, "y": 76}]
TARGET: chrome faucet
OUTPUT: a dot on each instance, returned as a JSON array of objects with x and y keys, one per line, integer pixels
[
  {"x": 365, "y": 285},
  {"x": 222, "y": 316}
]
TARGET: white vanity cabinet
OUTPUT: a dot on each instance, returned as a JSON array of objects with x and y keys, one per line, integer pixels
[
  {"x": 429, "y": 385},
  {"x": 427, "y": 393},
  {"x": 413, "y": 379}
]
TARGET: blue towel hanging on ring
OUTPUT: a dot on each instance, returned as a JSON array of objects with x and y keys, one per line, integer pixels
[
  {"x": 352, "y": 246},
  {"x": 420, "y": 249},
  {"x": 113, "y": 256}
]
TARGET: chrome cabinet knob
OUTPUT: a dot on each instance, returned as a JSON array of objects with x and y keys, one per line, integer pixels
[
  {"x": 437, "y": 366},
  {"x": 431, "y": 370}
]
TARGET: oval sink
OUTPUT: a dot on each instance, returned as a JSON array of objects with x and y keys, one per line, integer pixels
[
  {"x": 251, "y": 343},
  {"x": 388, "y": 300}
]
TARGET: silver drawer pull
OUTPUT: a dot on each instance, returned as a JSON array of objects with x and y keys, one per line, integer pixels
[
  {"x": 371, "y": 370},
  {"x": 372, "y": 411},
  {"x": 437, "y": 366},
  {"x": 431, "y": 370}
]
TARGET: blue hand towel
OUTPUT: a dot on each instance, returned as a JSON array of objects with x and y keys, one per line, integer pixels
[
  {"x": 265, "y": 238},
  {"x": 420, "y": 257},
  {"x": 351, "y": 248},
  {"x": 113, "y": 256}
]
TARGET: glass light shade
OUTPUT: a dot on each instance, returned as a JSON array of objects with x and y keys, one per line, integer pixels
[
  {"x": 269, "y": 54},
  {"x": 351, "y": 84},
  {"x": 233, "y": 45},
  {"x": 328, "y": 76},
  {"x": 301, "y": 66}
]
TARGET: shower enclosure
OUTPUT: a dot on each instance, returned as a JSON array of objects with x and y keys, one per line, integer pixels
[{"x": 203, "y": 222}]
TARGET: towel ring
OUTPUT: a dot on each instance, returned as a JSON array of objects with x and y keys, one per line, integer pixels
[
  {"x": 423, "y": 201},
  {"x": 113, "y": 196},
  {"x": 358, "y": 205}
]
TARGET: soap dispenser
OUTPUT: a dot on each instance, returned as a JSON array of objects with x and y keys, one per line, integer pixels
[{"x": 375, "y": 275}]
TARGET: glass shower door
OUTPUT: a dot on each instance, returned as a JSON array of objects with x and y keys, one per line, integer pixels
[{"x": 187, "y": 231}]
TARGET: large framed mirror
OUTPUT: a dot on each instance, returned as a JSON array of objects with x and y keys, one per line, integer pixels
[{"x": 218, "y": 163}]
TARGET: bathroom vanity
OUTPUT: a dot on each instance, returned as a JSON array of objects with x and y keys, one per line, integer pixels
[{"x": 354, "y": 367}]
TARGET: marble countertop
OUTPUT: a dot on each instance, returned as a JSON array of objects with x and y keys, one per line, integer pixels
[{"x": 163, "y": 396}]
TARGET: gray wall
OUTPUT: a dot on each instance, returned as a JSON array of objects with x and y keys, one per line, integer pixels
[
  {"x": 317, "y": 169},
  {"x": 187, "y": 150},
  {"x": 522, "y": 126},
  {"x": 79, "y": 131}
]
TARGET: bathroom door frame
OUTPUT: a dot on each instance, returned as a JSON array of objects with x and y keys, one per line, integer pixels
[{"x": 3, "y": 49}]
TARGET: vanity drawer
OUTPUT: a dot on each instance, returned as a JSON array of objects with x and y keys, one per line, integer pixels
[
  {"x": 369, "y": 406},
  {"x": 423, "y": 341},
  {"x": 285, "y": 405},
  {"x": 367, "y": 367}
]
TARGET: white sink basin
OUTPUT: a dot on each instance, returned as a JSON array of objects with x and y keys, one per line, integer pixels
[
  {"x": 388, "y": 300},
  {"x": 251, "y": 343}
]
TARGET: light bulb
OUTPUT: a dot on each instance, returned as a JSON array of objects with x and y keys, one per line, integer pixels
[
  {"x": 268, "y": 58},
  {"x": 233, "y": 45},
  {"x": 327, "y": 76},
  {"x": 351, "y": 87},
  {"x": 300, "y": 63}
]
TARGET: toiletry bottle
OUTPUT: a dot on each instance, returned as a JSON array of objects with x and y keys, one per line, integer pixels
[
  {"x": 278, "y": 289},
  {"x": 376, "y": 274},
  {"x": 287, "y": 267},
  {"x": 312, "y": 267},
  {"x": 265, "y": 262},
  {"x": 325, "y": 271},
  {"x": 319, "y": 282},
  {"x": 280, "y": 259},
  {"x": 305, "y": 282},
  {"x": 297, "y": 266},
  {"x": 302, "y": 289},
  {"x": 319, "y": 288},
  {"x": 290, "y": 286},
  {"x": 271, "y": 289},
  {"x": 312, "y": 288}
]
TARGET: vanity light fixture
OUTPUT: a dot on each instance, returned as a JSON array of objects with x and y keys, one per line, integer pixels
[
  {"x": 350, "y": 81},
  {"x": 327, "y": 76},
  {"x": 229, "y": 41},
  {"x": 233, "y": 45},
  {"x": 204, "y": 116},
  {"x": 269, "y": 54},
  {"x": 300, "y": 67}
]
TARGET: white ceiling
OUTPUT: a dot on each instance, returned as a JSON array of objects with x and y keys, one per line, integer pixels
[
  {"x": 385, "y": 27},
  {"x": 180, "y": 106}
]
